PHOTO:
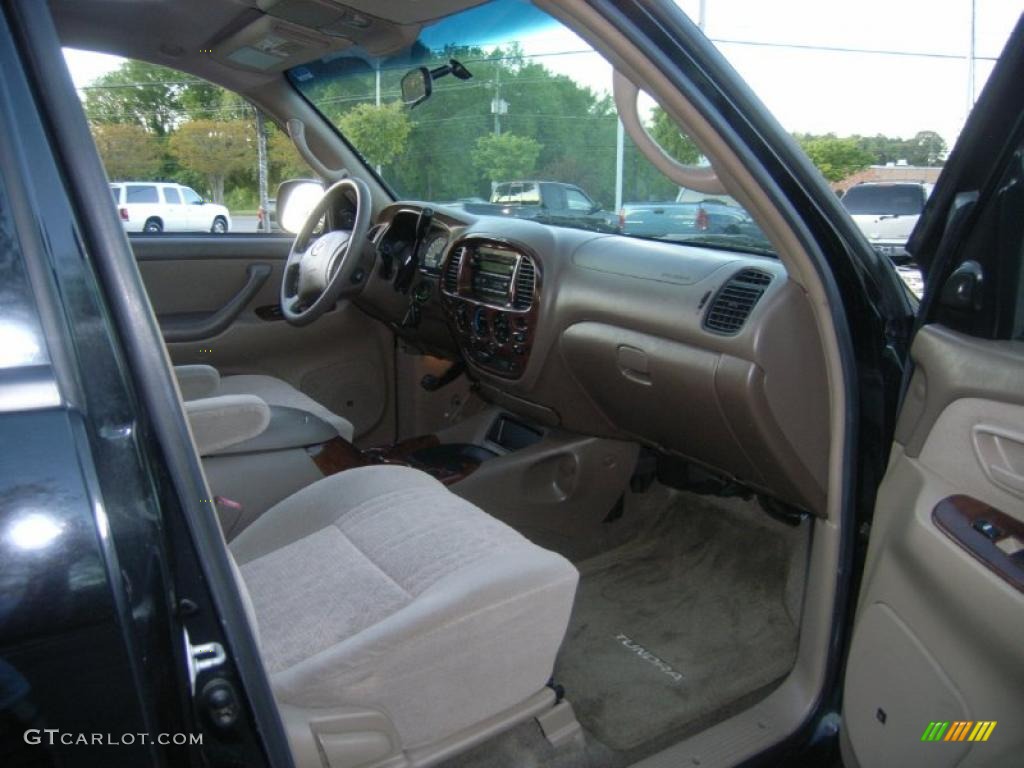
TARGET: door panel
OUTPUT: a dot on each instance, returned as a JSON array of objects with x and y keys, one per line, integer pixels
[
  {"x": 344, "y": 360},
  {"x": 939, "y": 631}
]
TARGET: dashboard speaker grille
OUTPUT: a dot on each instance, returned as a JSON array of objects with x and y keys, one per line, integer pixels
[
  {"x": 736, "y": 300},
  {"x": 451, "y": 272},
  {"x": 525, "y": 279}
]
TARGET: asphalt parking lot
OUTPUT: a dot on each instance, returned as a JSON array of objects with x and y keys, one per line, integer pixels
[{"x": 243, "y": 223}]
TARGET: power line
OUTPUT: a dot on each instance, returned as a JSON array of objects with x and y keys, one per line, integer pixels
[
  {"x": 842, "y": 49},
  {"x": 114, "y": 86}
]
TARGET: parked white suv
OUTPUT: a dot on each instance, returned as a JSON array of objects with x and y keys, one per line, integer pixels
[
  {"x": 887, "y": 212},
  {"x": 150, "y": 206}
]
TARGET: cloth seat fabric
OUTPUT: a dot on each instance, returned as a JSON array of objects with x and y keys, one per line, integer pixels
[{"x": 378, "y": 587}]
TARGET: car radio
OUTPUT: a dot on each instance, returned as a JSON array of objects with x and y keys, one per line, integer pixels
[
  {"x": 490, "y": 288},
  {"x": 491, "y": 271}
]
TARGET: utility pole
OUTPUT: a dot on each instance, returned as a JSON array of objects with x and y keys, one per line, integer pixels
[
  {"x": 261, "y": 154},
  {"x": 499, "y": 106},
  {"x": 970, "y": 59},
  {"x": 377, "y": 99},
  {"x": 620, "y": 147}
]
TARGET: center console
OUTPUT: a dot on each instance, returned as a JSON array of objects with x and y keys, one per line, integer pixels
[
  {"x": 490, "y": 289},
  {"x": 449, "y": 463}
]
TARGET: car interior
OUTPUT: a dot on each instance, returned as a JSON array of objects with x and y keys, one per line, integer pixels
[{"x": 583, "y": 510}]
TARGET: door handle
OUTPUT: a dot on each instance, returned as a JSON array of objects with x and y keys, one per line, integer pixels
[
  {"x": 1001, "y": 455},
  {"x": 192, "y": 327}
]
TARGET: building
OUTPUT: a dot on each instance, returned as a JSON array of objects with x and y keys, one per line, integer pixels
[{"x": 890, "y": 172}]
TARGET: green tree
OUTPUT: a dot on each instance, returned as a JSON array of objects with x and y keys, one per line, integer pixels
[
  {"x": 380, "y": 133},
  {"x": 664, "y": 130},
  {"x": 216, "y": 149},
  {"x": 284, "y": 159},
  {"x": 128, "y": 151},
  {"x": 505, "y": 156},
  {"x": 927, "y": 148},
  {"x": 137, "y": 93},
  {"x": 836, "y": 158}
]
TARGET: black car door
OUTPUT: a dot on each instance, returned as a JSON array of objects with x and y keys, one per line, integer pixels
[{"x": 936, "y": 665}]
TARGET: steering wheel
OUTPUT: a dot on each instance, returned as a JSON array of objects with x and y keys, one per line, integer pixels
[{"x": 324, "y": 270}]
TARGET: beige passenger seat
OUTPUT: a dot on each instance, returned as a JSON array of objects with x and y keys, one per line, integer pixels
[{"x": 398, "y": 623}]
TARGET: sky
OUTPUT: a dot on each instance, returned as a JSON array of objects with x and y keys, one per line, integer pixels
[{"x": 818, "y": 91}]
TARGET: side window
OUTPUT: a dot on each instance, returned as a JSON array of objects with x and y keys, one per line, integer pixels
[
  {"x": 577, "y": 201},
  {"x": 137, "y": 194},
  {"x": 115, "y": 191},
  {"x": 153, "y": 124}
]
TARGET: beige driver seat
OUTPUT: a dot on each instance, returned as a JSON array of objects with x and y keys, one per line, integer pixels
[
  {"x": 399, "y": 623},
  {"x": 204, "y": 381}
]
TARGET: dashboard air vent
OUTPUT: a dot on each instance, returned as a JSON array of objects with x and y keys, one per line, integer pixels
[
  {"x": 451, "y": 272},
  {"x": 732, "y": 306},
  {"x": 525, "y": 280}
]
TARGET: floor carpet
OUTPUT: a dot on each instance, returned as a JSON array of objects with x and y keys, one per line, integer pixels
[{"x": 678, "y": 624}]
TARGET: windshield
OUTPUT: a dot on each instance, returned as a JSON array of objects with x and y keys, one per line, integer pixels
[
  {"x": 892, "y": 200},
  {"x": 533, "y": 133}
]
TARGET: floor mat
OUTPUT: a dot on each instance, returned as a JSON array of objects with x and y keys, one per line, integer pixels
[{"x": 678, "y": 624}]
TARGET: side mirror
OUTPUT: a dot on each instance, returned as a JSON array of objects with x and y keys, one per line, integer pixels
[
  {"x": 417, "y": 85},
  {"x": 296, "y": 198}
]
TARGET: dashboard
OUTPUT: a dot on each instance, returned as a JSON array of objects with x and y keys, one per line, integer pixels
[{"x": 708, "y": 354}]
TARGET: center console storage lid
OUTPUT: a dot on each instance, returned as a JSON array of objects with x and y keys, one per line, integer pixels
[{"x": 288, "y": 428}]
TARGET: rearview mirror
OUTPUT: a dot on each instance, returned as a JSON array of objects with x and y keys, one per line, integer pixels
[
  {"x": 296, "y": 199},
  {"x": 417, "y": 85}
]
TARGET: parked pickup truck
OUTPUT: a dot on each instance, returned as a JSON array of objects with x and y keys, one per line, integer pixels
[
  {"x": 549, "y": 202},
  {"x": 887, "y": 213},
  {"x": 692, "y": 213}
]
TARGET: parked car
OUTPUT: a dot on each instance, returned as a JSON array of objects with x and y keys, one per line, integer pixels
[
  {"x": 668, "y": 220},
  {"x": 549, "y": 202},
  {"x": 887, "y": 212},
  {"x": 152, "y": 206}
]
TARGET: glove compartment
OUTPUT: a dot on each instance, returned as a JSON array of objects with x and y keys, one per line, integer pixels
[{"x": 658, "y": 391}]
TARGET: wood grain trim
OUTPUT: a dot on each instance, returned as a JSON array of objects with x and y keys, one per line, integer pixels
[
  {"x": 955, "y": 516},
  {"x": 339, "y": 454}
]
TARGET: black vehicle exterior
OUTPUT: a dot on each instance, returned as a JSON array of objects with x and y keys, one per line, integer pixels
[{"x": 116, "y": 643}]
